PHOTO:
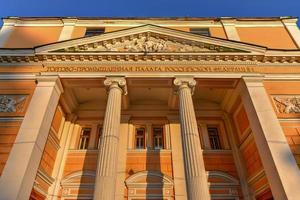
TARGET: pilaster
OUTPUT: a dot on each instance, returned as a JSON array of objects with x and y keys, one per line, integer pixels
[
  {"x": 21, "y": 167},
  {"x": 121, "y": 163},
  {"x": 240, "y": 166},
  {"x": 278, "y": 161},
  {"x": 177, "y": 159},
  {"x": 291, "y": 25},
  {"x": 230, "y": 30},
  {"x": 67, "y": 31},
  {"x": 61, "y": 157}
]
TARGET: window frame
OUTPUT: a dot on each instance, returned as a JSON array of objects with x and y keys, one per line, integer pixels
[
  {"x": 144, "y": 137},
  {"x": 162, "y": 137},
  {"x": 84, "y": 139},
  {"x": 217, "y": 136}
]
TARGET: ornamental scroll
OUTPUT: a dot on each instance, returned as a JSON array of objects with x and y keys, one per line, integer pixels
[
  {"x": 287, "y": 104},
  {"x": 11, "y": 103}
]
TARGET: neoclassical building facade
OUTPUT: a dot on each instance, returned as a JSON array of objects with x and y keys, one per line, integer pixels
[{"x": 150, "y": 108}]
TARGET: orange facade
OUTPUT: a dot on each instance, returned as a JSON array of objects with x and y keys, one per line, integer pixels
[{"x": 151, "y": 160}]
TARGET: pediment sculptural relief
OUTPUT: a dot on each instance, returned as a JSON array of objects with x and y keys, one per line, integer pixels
[{"x": 148, "y": 42}]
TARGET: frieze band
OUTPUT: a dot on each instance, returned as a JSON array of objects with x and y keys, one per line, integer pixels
[{"x": 234, "y": 69}]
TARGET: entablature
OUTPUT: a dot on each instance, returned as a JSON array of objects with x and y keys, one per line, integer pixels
[{"x": 148, "y": 43}]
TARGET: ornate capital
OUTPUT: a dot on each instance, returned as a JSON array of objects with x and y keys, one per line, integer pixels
[
  {"x": 181, "y": 83},
  {"x": 119, "y": 82}
]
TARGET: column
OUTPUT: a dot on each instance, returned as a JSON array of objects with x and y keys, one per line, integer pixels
[
  {"x": 21, "y": 167},
  {"x": 279, "y": 163},
  {"x": 108, "y": 152},
  {"x": 196, "y": 180}
]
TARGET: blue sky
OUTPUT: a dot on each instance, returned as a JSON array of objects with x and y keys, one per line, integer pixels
[{"x": 153, "y": 8}]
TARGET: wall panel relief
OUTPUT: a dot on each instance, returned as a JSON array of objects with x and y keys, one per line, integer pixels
[
  {"x": 287, "y": 104},
  {"x": 12, "y": 103}
]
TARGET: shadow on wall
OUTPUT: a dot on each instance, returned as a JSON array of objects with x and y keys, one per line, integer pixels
[{"x": 154, "y": 188}]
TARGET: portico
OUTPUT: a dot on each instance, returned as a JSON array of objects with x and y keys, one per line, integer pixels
[{"x": 153, "y": 113}]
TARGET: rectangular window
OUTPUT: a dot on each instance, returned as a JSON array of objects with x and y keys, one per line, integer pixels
[
  {"x": 94, "y": 31},
  {"x": 84, "y": 138},
  {"x": 214, "y": 138},
  {"x": 158, "y": 142},
  {"x": 200, "y": 31},
  {"x": 140, "y": 138}
]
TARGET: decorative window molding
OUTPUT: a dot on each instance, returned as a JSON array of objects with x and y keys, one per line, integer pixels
[
  {"x": 139, "y": 185},
  {"x": 225, "y": 182},
  {"x": 73, "y": 182}
]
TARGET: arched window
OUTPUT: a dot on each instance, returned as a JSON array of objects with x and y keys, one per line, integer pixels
[{"x": 140, "y": 138}]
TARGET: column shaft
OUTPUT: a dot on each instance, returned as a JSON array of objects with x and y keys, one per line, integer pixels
[
  {"x": 108, "y": 151},
  {"x": 196, "y": 180}
]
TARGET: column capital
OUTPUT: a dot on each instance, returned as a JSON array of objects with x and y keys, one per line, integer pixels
[
  {"x": 185, "y": 82},
  {"x": 119, "y": 82},
  {"x": 48, "y": 81}
]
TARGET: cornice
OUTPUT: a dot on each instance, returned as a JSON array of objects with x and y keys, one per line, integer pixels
[
  {"x": 135, "y": 21},
  {"x": 220, "y": 58}
]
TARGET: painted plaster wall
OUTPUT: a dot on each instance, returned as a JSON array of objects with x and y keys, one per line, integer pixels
[
  {"x": 28, "y": 37},
  {"x": 271, "y": 37}
]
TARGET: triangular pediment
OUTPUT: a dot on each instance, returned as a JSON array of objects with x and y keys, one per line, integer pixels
[{"x": 148, "y": 39}]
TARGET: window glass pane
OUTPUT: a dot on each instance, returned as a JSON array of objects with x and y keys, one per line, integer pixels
[
  {"x": 140, "y": 138},
  {"x": 94, "y": 31},
  {"x": 84, "y": 138},
  {"x": 158, "y": 138},
  {"x": 200, "y": 31},
  {"x": 214, "y": 139}
]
